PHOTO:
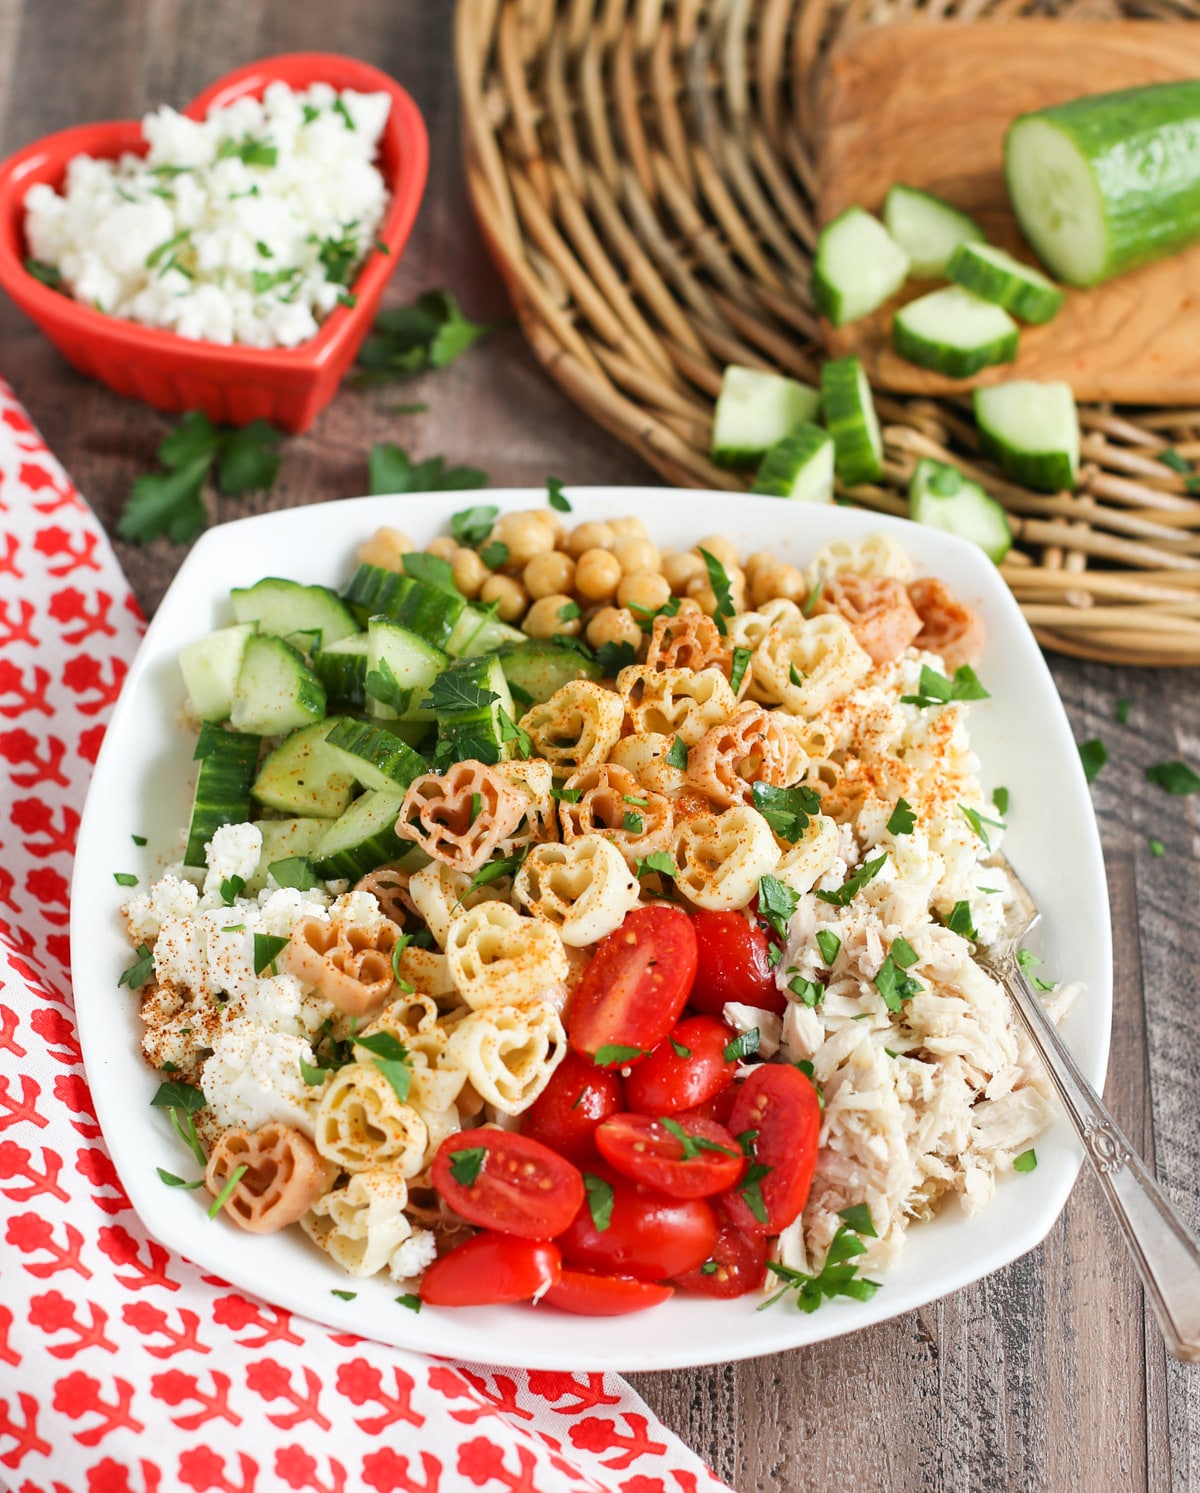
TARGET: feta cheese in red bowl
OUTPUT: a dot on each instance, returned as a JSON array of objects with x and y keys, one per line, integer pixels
[{"x": 233, "y": 382}]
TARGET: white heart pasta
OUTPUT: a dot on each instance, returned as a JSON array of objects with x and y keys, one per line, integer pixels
[
  {"x": 577, "y": 727},
  {"x": 534, "y": 779},
  {"x": 497, "y": 957},
  {"x": 875, "y": 554},
  {"x": 361, "y": 1123},
  {"x": 438, "y": 892},
  {"x": 508, "y": 1053},
  {"x": 363, "y": 1224},
  {"x": 646, "y": 755},
  {"x": 748, "y": 629},
  {"x": 583, "y": 889},
  {"x": 722, "y": 857},
  {"x": 811, "y": 856},
  {"x": 803, "y": 665},
  {"x": 675, "y": 702}
]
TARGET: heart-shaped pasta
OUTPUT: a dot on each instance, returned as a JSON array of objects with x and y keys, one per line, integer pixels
[
  {"x": 751, "y": 747},
  {"x": 748, "y": 629},
  {"x": 614, "y": 803},
  {"x": 497, "y": 957},
  {"x": 577, "y": 727},
  {"x": 426, "y": 970},
  {"x": 534, "y": 779},
  {"x": 689, "y": 640},
  {"x": 804, "y": 665},
  {"x": 462, "y": 815},
  {"x": 722, "y": 857},
  {"x": 811, "y": 856},
  {"x": 878, "y": 610},
  {"x": 438, "y": 891},
  {"x": 875, "y": 554},
  {"x": 646, "y": 755},
  {"x": 508, "y": 1053},
  {"x": 349, "y": 964},
  {"x": 362, "y": 1123},
  {"x": 362, "y": 1224},
  {"x": 284, "y": 1176},
  {"x": 389, "y": 886},
  {"x": 948, "y": 628},
  {"x": 675, "y": 702},
  {"x": 583, "y": 889}
]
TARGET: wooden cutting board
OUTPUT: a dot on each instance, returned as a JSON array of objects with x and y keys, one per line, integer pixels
[{"x": 929, "y": 105}]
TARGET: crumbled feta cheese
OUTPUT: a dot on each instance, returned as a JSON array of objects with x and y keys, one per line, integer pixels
[
  {"x": 246, "y": 226},
  {"x": 280, "y": 910},
  {"x": 180, "y": 958},
  {"x": 253, "y": 1077},
  {"x": 413, "y": 1257},
  {"x": 168, "y": 897},
  {"x": 234, "y": 850},
  {"x": 360, "y": 908}
]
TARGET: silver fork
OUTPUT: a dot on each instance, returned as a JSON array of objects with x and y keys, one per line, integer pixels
[{"x": 1166, "y": 1253}]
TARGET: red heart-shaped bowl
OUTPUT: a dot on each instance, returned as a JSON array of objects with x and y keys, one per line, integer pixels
[{"x": 231, "y": 384}]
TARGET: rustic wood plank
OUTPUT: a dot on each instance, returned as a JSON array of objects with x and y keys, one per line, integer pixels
[{"x": 1046, "y": 1376}]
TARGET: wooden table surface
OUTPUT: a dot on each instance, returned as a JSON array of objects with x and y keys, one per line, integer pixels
[{"x": 1047, "y": 1375}]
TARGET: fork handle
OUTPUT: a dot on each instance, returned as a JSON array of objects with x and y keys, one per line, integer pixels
[{"x": 1166, "y": 1253}]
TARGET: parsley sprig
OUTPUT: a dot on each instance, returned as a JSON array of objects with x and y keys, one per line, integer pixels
[
  {"x": 181, "y": 1101},
  {"x": 786, "y": 810},
  {"x": 390, "y": 469},
  {"x": 853, "y": 884},
  {"x": 428, "y": 333},
  {"x": 838, "y": 1276},
  {"x": 935, "y": 689}
]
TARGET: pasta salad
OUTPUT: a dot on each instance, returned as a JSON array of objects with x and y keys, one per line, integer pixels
[{"x": 624, "y": 951}]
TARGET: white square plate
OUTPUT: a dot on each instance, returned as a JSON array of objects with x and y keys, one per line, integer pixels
[{"x": 142, "y": 785}]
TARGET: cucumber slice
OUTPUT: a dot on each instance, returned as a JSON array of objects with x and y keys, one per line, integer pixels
[
  {"x": 1031, "y": 431},
  {"x": 535, "y": 669},
  {"x": 210, "y": 667},
  {"x": 954, "y": 332},
  {"x": 754, "y": 410},
  {"x": 800, "y": 467},
  {"x": 1106, "y": 183},
  {"x": 342, "y": 669},
  {"x": 375, "y": 592},
  {"x": 478, "y": 632},
  {"x": 303, "y": 776},
  {"x": 284, "y": 607},
  {"x": 227, "y": 762},
  {"x": 429, "y": 611},
  {"x": 375, "y": 757},
  {"x": 465, "y": 729},
  {"x": 276, "y": 691},
  {"x": 362, "y": 839},
  {"x": 413, "y": 662},
  {"x": 851, "y": 421},
  {"x": 927, "y": 229},
  {"x": 282, "y": 838},
  {"x": 940, "y": 496},
  {"x": 996, "y": 276},
  {"x": 858, "y": 266}
]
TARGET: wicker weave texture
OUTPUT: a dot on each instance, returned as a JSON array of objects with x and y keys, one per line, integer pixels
[{"x": 643, "y": 171}]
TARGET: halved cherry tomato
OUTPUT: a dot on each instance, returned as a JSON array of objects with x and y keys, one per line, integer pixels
[
  {"x": 781, "y": 1107},
  {"x": 565, "y": 1114},
  {"x": 518, "y": 1186},
  {"x": 492, "y": 1268},
  {"x": 648, "y": 1235},
  {"x": 735, "y": 1266},
  {"x": 636, "y": 985},
  {"x": 732, "y": 965},
  {"x": 590, "y": 1295},
  {"x": 707, "y": 1162},
  {"x": 718, "y": 1108},
  {"x": 668, "y": 1081}
]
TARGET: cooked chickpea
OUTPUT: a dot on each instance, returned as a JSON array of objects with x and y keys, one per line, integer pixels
[
  {"x": 554, "y": 521},
  {"x": 469, "y": 571},
  {"x": 721, "y": 549},
  {"x": 510, "y": 593},
  {"x": 525, "y": 536},
  {"x": 643, "y": 589},
  {"x": 613, "y": 625},
  {"x": 679, "y": 568},
  {"x": 777, "y": 579},
  {"x": 549, "y": 574},
  {"x": 443, "y": 547},
  {"x": 551, "y": 614},
  {"x": 687, "y": 605},
  {"x": 597, "y": 575},
  {"x": 637, "y": 556},
  {"x": 756, "y": 561},
  {"x": 386, "y": 548},
  {"x": 584, "y": 537},
  {"x": 628, "y": 528}
]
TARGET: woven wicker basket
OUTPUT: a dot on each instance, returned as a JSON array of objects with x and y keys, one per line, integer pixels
[{"x": 643, "y": 173}]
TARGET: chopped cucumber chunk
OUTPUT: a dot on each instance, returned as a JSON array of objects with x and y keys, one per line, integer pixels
[
  {"x": 412, "y": 663},
  {"x": 303, "y": 776},
  {"x": 363, "y": 839},
  {"x": 927, "y": 229},
  {"x": 210, "y": 667},
  {"x": 940, "y": 496},
  {"x": 1031, "y": 431},
  {"x": 754, "y": 410},
  {"x": 227, "y": 761},
  {"x": 477, "y": 632},
  {"x": 535, "y": 669},
  {"x": 285, "y": 607},
  {"x": 429, "y": 611},
  {"x": 800, "y": 466},
  {"x": 954, "y": 332},
  {"x": 342, "y": 669},
  {"x": 998, "y": 277},
  {"x": 858, "y": 267},
  {"x": 375, "y": 757},
  {"x": 467, "y": 699},
  {"x": 276, "y": 691},
  {"x": 282, "y": 839},
  {"x": 851, "y": 420}
]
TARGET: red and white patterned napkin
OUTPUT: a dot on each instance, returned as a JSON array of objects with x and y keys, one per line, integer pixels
[{"x": 122, "y": 1368}]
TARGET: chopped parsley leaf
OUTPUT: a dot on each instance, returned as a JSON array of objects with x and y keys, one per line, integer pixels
[
  {"x": 935, "y": 689},
  {"x": 613, "y": 657},
  {"x": 344, "y": 1295},
  {"x": 510, "y": 731},
  {"x": 854, "y": 884},
  {"x": 391, "y": 1058},
  {"x": 1000, "y": 799},
  {"x": 902, "y": 819},
  {"x": 829, "y": 944},
  {"x": 741, "y": 662},
  {"x": 567, "y": 795},
  {"x": 633, "y": 824},
  {"x": 678, "y": 755},
  {"x": 977, "y": 821},
  {"x": 680, "y": 1050},
  {"x": 471, "y": 526},
  {"x": 750, "y": 1190},
  {"x": 1175, "y": 777},
  {"x": 858, "y": 1218},
  {"x": 812, "y": 598},
  {"x": 173, "y": 1181},
  {"x": 125, "y": 878},
  {"x": 1122, "y": 711},
  {"x": 960, "y": 921},
  {"x": 837, "y": 1277},
  {"x": 795, "y": 677},
  {"x": 495, "y": 554},
  {"x": 776, "y": 904},
  {"x": 1157, "y": 847},
  {"x": 903, "y": 953},
  {"x": 569, "y": 611},
  {"x": 294, "y": 871},
  {"x": 614, "y": 1055},
  {"x": 140, "y": 971},
  {"x": 1093, "y": 754},
  {"x": 466, "y": 1165},
  {"x": 743, "y": 1045},
  {"x": 266, "y": 947},
  {"x": 555, "y": 495},
  {"x": 508, "y": 865},
  {"x": 181, "y": 1101},
  {"x": 811, "y": 992},
  {"x": 382, "y": 685},
  {"x": 599, "y": 1200},
  {"x": 718, "y": 579},
  {"x": 659, "y": 862},
  {"x": 450, "y": 693},
  {"x": 231, "y": 889},
  {"x": 786, "y": 810},
  {"x": 138, "y": 839},
  {"x": 893, "y": 985},
  {"x": 1026, "y": 1161},
  {"x": 805, "y": 1066},
  {"x": 1029, "y": 961},
  {"x": 413, "y": 1303},
  {"x": 227, "y": 1191}
]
